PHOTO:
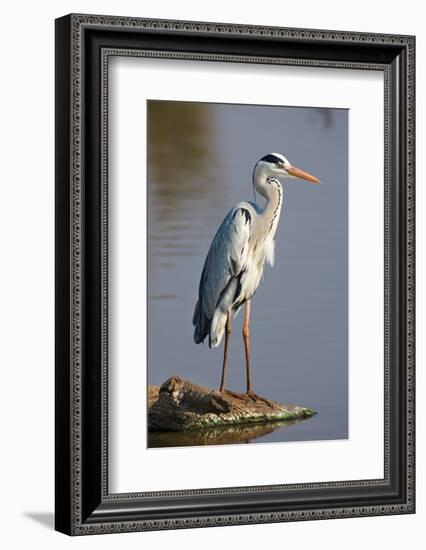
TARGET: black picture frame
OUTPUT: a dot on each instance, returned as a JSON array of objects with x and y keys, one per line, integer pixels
[{"x": 83, "y": 45}]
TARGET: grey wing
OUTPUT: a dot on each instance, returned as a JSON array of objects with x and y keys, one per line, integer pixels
[{"x": 225, "y": 261}]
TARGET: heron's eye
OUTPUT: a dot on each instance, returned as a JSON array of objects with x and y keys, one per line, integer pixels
[{"x": 280, "y": 165}]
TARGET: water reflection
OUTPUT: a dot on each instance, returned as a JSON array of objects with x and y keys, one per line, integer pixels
[
  {"x": 221, "y": 435},
  {"x": 177, "y": 132},
  {"x": 181, "y": 137},
  {"x": 324, "y": 114}
]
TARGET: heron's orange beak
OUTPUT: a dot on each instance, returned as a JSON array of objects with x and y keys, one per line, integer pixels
[{"x": 298, "y": 173}]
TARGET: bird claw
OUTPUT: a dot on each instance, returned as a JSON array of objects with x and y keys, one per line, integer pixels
[
  {"x": 253, "y": 396},
  {"x": 257, "y": 398}
]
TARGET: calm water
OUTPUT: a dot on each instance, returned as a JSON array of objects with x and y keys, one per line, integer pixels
[{"x": 201, "y": 158}]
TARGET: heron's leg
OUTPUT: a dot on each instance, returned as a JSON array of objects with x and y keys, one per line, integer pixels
[
  {"x": 225, "y": 350},
  {"x": 246, "y": 337}
]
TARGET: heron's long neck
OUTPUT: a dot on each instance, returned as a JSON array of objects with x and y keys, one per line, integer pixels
[
  {"x": 273, "y": 193},
  {"x": 272, "y": 211}
]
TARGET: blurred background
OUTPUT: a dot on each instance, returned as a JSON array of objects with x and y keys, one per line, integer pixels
[{"x": 200, "y": 162}]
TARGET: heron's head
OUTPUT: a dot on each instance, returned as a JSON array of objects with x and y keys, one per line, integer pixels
[{"x": 276, "y": 165}]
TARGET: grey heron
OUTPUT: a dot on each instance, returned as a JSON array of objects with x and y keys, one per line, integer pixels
[{"x": 234, "y": 264}]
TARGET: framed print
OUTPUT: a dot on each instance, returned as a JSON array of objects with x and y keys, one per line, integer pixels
[{"x": 234, "y": 274}]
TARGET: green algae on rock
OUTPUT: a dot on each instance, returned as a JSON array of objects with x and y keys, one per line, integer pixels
[{"x": 181, "y": 405}]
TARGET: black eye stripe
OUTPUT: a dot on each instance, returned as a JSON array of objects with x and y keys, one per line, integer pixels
[{"x": 271, "y": 158}]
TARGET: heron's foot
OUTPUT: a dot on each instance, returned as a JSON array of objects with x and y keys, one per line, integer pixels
[
  {"x": 258, "y": 398},
  {"x": 232, "y": 393}
]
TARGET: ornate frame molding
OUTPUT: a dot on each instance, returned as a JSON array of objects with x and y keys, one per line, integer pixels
[{"x": 76, "y": 501}]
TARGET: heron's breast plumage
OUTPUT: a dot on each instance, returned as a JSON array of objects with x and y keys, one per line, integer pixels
[{"x": 260, "y": 250}]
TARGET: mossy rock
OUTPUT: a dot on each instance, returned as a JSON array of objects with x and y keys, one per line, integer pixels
[{"x": 182, "y": 405}]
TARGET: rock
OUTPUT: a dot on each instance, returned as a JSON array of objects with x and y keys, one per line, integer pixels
[{"x": 181, "y": 405}]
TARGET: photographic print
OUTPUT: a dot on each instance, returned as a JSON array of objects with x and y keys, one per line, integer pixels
[{"x": 247, "y": 273}]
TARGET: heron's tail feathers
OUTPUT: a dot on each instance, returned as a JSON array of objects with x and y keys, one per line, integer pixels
[
  {"x": 217, "y": 328},
  {"x": 221, "y": 312},
  {"x": 214, "y": 327},
  {"x": 201, "y": 324}
]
